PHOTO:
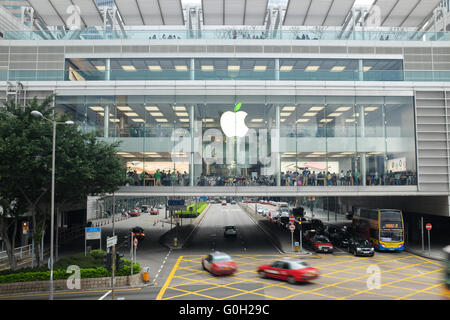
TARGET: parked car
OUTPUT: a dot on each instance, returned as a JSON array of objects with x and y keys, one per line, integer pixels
[
  {"x": 265, "y": 212},
  {"x": 259, "y": 209},
  {"x": 135, "y": 213},
  {"x": 360, "y": 247},
  {"x": 224, "y": 203},
  {"x": 317, "y": 225},
  {"x": 321, "y": 243},
  {"x": 154, "y": 211},
  {"x": 233, "y": 201},
  {"x": 229, "y": 231},
  {"x": 289, "y": 269},
  {"x": 219, "y": 263},
  {"x": 138, "y": 232},
  {"x": 340, "y": 238}
]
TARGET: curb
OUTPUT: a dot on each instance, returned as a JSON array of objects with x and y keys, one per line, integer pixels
[{"x": 416, "y": 253}]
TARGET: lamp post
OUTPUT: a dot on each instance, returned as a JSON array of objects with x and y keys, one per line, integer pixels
[{"x": 37, "y": 114}]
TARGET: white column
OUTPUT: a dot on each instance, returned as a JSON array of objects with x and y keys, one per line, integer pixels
[
  {"x": 363, "y": 154},
  {"x": 106, "y": 123}
]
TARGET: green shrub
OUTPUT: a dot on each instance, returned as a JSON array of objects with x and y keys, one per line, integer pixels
[{"x": 94, "y": 269}]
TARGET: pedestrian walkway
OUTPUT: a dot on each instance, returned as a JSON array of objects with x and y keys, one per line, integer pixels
[{"x": 325, "y": 215}]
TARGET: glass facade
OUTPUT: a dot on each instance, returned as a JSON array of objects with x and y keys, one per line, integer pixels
[
  {"x": 84, "y": 69},
  {"x": 223, "y": 140}
]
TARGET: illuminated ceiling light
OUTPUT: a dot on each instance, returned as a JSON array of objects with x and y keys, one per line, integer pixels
[
  {"x": 149, "y": 153},
  {"x": 311, "y": 156},
  {"x": 320, "y": 153},
  {"x": 207, "y": 68},
  {"x": 285, "y": 114},
  {"x": 138, "y": 120},
  {"x": 182, "y": 114},
  {"x": 154, "y": 156},
  {"x": 100, "y": 68},
  {"x": 356, "y": 114},
  {"x": 318, "y": 108},
  {"x": 259, "y": 68},
  {"x": 129, "y": 68},
  {"x": 282, "y": 120},
  {"x": 286, "y": 68},
  {"x": 122, "y": 153},
  {"x": 288, "y": 108},
  {"x": 337, "y": 156},
  {"x": 234, "y": 68},
  {"x": 161, "y": 120},
  {"x": 343, "y": 108},
  {"x": 208, "y": 120},
  {"x": 124, "y": 108},
  {"x": 184, "y": 120},
  {"x": 335, "y": 114},
  {"x": 312, "y": 68},
  {"x": 179, "y": 108},
  {"x": 103, "y": 114},
  {"x": 97, "y": 108},
  {"x": 309, "y": 114},
  {"x": 181, "y": 68},
  {"x": 367, "y": 68},
  {"x": 131, "y": 114},
  {"x": 156, "y": 114},
  {"x": 347, "y": 152},
  {"x": 326, "y": 120},
  {"x": 337, "y": 69},
  {"x": 349, "y": 120},
  {"x": 257, "y": 120},
  {"x": 152, "y": 108},
  {"x": 114, "y": 120},
  {"x": 302, "y": 120},
  {"x": 370, "y": 108},
  {"x": 128, "y": 156},
  {"x": 290, "y": 153},
  {"x": 154, "y": 68}
]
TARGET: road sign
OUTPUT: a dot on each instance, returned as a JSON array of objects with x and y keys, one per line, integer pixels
[
  {"x": 291, "y": 219},
  {"x": 175, "y": 203},
  {"x": 110, "y": 241},
  {"x": 292, "y": 227},
  {"x": 428, "y": 226},
  {"x": 93, "y": 233},
  {"x": 135, "y": 242}
]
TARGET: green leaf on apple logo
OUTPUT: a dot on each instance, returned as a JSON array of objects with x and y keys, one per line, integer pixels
[{"x": 237, "y": 107}]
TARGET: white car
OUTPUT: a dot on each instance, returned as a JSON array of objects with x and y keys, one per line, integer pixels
[
  {"x": 230, "y": 231},
  {"x": 265, "y": 212},
  {"x": 259, "y": 210}
]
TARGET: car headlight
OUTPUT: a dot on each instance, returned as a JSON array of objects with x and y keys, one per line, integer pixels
[
  {"x": 372, "y": 249},
  {"x": 358, "y": 249}
]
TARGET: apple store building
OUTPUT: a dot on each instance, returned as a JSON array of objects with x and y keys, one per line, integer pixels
[{"x": 268, "y": 108}]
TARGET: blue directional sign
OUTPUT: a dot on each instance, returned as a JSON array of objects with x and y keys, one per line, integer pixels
[
  {"x": 93, "y": 229},
  {"x": 173, "y": 203}
]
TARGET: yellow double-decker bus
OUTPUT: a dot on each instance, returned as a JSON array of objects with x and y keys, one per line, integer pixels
[
  {"x": 383, "y": 227},
  {"x": 446, "y": 289}
]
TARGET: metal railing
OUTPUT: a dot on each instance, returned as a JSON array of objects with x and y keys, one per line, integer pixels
[{"x": 20, "y": 253}]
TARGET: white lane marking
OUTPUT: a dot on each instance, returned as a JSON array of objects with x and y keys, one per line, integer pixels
[
  {"x": 162, "y": 266},
  {"x": 121, "y": 298},
  {"x": 104, "y": 296}
]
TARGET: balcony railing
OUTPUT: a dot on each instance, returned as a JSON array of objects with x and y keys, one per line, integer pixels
[{"x": 229, "y": 34}]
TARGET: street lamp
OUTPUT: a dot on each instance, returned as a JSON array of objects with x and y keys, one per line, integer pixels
[{"x": 37, "y": 114}]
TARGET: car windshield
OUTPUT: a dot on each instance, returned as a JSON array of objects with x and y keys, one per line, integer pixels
[
  {"x": 223, "y": 258},
  {"x": 298, "y": 265},
  {"x": 229, "y": 228},
  {"x": 363, "y": 243},
  {"x": 322, "y": 239}
]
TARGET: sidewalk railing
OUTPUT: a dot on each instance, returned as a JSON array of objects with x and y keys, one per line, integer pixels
[{"x": 20, "y": 254}]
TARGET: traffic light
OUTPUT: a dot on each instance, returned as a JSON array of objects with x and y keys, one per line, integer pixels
[
  {"x": 119, "y": 261},
  {"x": 107, "y": 261}
]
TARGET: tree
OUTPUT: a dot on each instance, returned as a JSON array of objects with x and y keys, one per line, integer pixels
[{"x": 83, "y": 165}]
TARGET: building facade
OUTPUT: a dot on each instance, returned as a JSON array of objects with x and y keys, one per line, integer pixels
[{"x": 255, "y": 112}]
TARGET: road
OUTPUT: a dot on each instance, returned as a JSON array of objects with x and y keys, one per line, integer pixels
[{"x": 177, "y": 274}]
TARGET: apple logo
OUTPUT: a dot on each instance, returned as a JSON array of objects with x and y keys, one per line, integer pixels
[{"x": 233, "y": 123}]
